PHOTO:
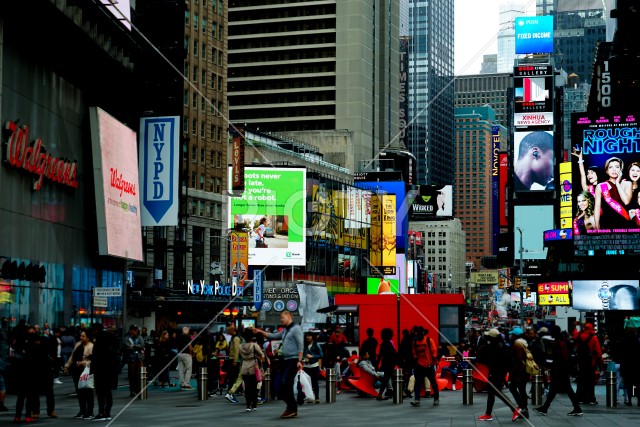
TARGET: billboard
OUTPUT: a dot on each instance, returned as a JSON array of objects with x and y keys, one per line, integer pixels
[
  {"x": 533, "y": 95},
  {"x": 502, "y": 189},
  {"x": 486, "y": 277},
  {"x": 159, "y": 169},
  {"x": 605, "y": 173},
  {"x": 115, "y": 172},
  {"x": 533, "y": 221},
  {"x": 495, "y": 183},
  {"x": 534, "y": 34},
  {"x": 402, "y": 220},
  {"x": 432, "y": 202},
  {"x": 554, "y": 293},
  {"x": 374, "y": 282},
  {"x": 606, "y": 295},
  {"x": 383, "y": 239},
  {"x": 566, "y": 203},
  {"x": 239, "y": 255},
  {"x": 533, "y": 156},
  {"x": 279, "y": 197}
]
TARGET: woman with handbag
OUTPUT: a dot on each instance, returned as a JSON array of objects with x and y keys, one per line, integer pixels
[
  {"x": 251, "y": 355},
  {"x": 79, "y": 360}
]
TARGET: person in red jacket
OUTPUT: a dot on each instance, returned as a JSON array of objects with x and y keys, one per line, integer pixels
[
  {"x": 425, "y": 354},
  {"x": 589, "y": 359},
  {"x": 336, "y": 344}
]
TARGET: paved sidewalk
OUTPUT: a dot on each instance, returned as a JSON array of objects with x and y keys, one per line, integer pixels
[{"x": 172, "y": 407}]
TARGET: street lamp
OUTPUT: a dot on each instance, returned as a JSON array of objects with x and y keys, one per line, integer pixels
[{"x": 520, "y": 275}]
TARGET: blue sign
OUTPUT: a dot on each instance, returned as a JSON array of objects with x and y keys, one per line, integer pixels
[
  {"x": 257, "y": 289},
  {"x": 159, "y": 155},
  {"x": 534, "y": 34}
]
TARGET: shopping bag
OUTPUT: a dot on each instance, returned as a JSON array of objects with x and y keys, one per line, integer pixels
[
  {"x": 86, "y": 379},
  {"x": 302, "y": 389},
  {"x": 258, "y": 374}
]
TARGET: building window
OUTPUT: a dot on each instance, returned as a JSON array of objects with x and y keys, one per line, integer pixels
[
  {"x": 202, "y": 105},
  {"x": 219, "y": 83},
  {"x": 195, "y": 74},
  {"x": 187, "y": 17},
  {"x": 186, "y": 70},
  {"x": 450, "y": 320},
  {"x": 213, "y": 81},
  {"x": 194, "y": 101},
  {"x": 195, "y": 21},
  {"x": 195, "y": 47},
  {"x": 202, "y": 188},
  {"x": 193, "y": 153},
  {"x": 186, "y": 98},
  {"x": 193, "y": 184},
  {"x": 220, "y": 8},
  {"x": 204, "y": 51},
  {"x": 214, "y": 31},
  {"x": 194, "y": 127},
  {"x": 220, "y": 34},
  {"x": 218, "y": 211},
  {"x": 202, "y": 133},
  {"x": 218, "y": 185},
  {"x": 204, "y": 24},
  {"x": 185, "y": 126}
]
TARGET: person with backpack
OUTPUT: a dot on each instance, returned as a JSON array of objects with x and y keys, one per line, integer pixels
[
  {"x": 518, "y": 375},
  {"x": 589, "y": 358},
  {"x": 560, "y": 381},
  {"x": 425, "y": 354},
  {"x": 494, "y": 353}
]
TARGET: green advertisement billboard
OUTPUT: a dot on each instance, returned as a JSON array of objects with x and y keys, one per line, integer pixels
[{"x": 272, "y": 209}]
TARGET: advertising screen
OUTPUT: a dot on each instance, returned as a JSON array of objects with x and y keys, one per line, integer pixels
[
  {"x": 374, "y": 282},
  {"x": 534, "y": 34},
  {"x": 533, "y": 221},
  {"x": 554, "y": 293},
  {"x": 533, "y": 92},
  {"x": 566, "y": 188},
  {"x": 115, "y": 172},
  {"x": 533, "y": 161},
  {"x": 605, "y": 174},
  {"x": 273, "y": 210},
  {"x": 606, "y": 295},
  {"x": 432, "y": 202},
  {"x": 502, "y": 190}
]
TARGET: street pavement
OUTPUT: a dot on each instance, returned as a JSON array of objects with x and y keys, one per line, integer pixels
[{"x": 173, "y": 407}]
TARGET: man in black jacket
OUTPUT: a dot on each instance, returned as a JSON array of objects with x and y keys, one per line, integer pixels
[{"x": 104, "y": 366}]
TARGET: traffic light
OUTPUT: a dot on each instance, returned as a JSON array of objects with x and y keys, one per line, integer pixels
[
  {"x": 501, "y": 282},
  {"x": 517, "y": 283},
  {"x": 528, "y": 292}
]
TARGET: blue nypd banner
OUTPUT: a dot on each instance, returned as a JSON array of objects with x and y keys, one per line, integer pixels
[
  {"x": 534, "y": 34},
  {"x": 159, "y": 155},
  {"x": 257, "y": 289}
]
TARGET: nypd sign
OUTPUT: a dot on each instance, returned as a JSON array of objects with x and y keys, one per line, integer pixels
[{"x": 159, "y": 155}]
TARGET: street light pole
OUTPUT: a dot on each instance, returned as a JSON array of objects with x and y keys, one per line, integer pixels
[{"x": 520, "y": 275}]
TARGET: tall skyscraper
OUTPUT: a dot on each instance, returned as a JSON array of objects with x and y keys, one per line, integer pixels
[
  {"x": 473, "y": 179},
  {"x": 578, "y": 27},
  {"x": 326, "y": 73},
  {"x": 489, "y": 64},
  {"x": 478, "y": 90},
  {"x": 430, "y": 129},
  {"x": 509, "y": 10}
]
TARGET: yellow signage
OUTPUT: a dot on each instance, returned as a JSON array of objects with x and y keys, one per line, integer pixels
[
  {"x": 554, "y": 299},
  {"x": 487, "y": 277},
  {"x": 566, "y": 204},
  {"x": 388, "y": 230},
  {"x": 240, "y": 255},
  {"x": 375, "y": 253}
]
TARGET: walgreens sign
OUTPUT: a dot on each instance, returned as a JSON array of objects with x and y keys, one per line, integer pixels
[{"x": 34, "y": 159}]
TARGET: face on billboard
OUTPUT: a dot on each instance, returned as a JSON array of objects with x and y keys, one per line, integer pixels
[
  {"x": 533, "y": 161},
  {"x": 272, "y": 209},
  {"x": 605, "y": 176},
  {"x": 605, "y": 295}
]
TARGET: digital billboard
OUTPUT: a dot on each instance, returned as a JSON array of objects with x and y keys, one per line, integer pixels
[
  {"x": 533, "y": 154},
  {"x": 274, "y": 202},
  {"x": 382, "y": 250},
  {"x": 115, "y": 171},
  {"x": 533, "y": 221},
  {"x": 606, "y": 295},
  {"x": 554, "y": 293},
  {"x": 534, "y": 34},
  {"x": 566, "y": 188},
  {"x": 533, "y": 95},
  {"x": 605, "y": 174},
  {"x": 432, "y": 202},
  {"x": 502, "y": 190},
  {"x": 373, "y": 284}
]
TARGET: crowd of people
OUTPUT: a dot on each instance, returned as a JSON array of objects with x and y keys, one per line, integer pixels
[{"x": 39, "y": 356}]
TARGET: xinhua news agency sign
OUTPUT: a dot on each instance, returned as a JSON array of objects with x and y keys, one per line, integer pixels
[{"x": 215, "y": 289}]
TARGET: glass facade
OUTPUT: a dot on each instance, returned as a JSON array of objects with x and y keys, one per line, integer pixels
[{"x": 431, "y": 91}]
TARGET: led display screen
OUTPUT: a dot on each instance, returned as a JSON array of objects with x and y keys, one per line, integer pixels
[
  {"x": 605, "y": 191},
  {"x": 605, "y": 295}
]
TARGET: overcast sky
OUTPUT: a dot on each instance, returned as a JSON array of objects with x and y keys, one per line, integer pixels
[{"x": 476, "y": 33}]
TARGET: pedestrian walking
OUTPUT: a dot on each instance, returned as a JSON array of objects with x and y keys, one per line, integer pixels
[
  {"x": 589, "y": 359},
  {"x": 518, "y": 375},
  {"x": 388, "y": 358},
  {"x": 80, "y": 359},
  {"x": 292, "y": 350},
  {"x": 251, "y": 355},
  {"x": 104, "y": 366},
  {"x": 185, "y": 359},
  {"x": 425, "y": 356},
  {"x": 134, "y": 356}
]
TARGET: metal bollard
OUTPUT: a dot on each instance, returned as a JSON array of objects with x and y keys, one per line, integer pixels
[
  {"x": 331, "y": 385},
  {"x": 266, "y": 384},
  {"x": 202, "y": 384},
  {"x": 536, "y": 390},
  {"x": 398, "y": 383},
  {"x": 467, "y": 387},
  {"x": 143, "y": 383},
  {"x": 612, "y": 389}
]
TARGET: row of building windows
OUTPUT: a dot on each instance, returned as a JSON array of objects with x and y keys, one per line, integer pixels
[
  {"x": 216, "y": 157},
  {"x": 217, "y": 55},
  {"x": 215, "y": 184}
]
